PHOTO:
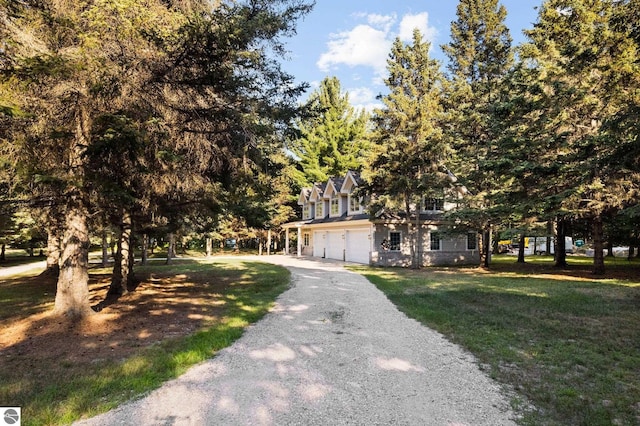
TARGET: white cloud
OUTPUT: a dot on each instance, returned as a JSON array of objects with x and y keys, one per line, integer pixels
[
  {"x": 419, "y": 21},
  {"x": 383, "y": 22},
  {"x": 362, "y": 46},
  {"x": 368, "y": 45},
  {"x": 363, "y": 97}
]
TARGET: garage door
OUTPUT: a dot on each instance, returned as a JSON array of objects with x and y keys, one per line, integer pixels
[
  {"x": 318, "y": 244},
  {"x": 358, "y": 245},
  {"x": 335, "y": 245}
]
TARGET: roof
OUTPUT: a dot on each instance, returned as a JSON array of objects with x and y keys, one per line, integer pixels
[
  {"x": 397, "y": 216},
  {"x": 325, "y": 220}
]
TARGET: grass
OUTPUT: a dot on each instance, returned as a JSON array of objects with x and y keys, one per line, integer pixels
[
  {"x": 568, "y": 345},
  {"x": 59, "y": 391},
  {"x": 20, "y": 257}
]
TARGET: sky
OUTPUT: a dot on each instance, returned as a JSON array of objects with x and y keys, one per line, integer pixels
[{"x": 351, "y": 39}]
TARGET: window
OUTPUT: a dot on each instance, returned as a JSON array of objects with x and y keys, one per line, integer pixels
[
  {"x": 354, "y": 204},
  {"x": 435, "y": 241},
  {"x": 335, "y": 206},
  {"x": 305, "y": 238},
  {"x": 472, "y": 241},
  {"x": 395, "y": 240},
  {"x": 306, "y": 211},
  {"x": 319, "y": 209},
  {"x": 433, "y": 204}
]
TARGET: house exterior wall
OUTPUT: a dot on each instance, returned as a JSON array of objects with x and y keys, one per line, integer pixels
[
  {"x": 344, "y": 234},
  {"x": 453, "y": 248}
]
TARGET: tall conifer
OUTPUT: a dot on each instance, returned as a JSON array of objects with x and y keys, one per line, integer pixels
[
  {"x": 410, "y": 154},
  {"x": 479, "y": 55}
]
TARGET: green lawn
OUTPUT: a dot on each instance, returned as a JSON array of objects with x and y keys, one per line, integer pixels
[
  {"x": 568, "y": 344},
  {"x": 59, "y": 390}
]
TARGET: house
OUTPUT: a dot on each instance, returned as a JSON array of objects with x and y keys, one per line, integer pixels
[{"x": 336, "y": 224}]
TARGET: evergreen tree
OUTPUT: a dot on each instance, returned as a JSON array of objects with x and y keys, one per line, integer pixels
[
  {"x": 585, "y": 66},
  {"x": 182, "y": 92},
  {"x": 480, "y": 56},
  {"x": 332, "y": 140},
  {"x": 410, "y": 151}
]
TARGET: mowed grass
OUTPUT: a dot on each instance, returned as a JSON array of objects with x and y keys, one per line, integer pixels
[
  {"x": 566, "y": 342},
  {"x": 59, "y": 391}
]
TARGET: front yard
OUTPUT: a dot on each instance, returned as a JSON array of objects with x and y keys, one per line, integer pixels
[
  {"x": 567, "y": 343},
  {"x": 59, "y": 370}
]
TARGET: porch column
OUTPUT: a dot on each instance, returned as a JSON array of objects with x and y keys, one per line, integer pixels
[
  {"x": 299, "y": 240},
  {"x": 286, "y": 241}
]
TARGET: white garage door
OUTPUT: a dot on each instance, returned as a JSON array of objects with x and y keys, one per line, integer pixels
[
  {"x": 318, "y": 244},
  {"x": 358, "y": 245},
  {"x": 335, "y": 245}
]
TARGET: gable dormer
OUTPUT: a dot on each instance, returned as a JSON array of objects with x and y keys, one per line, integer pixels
[
  {"x": 333, "y": 197},
  {"x": 317, "y": 198},
  {"x": 354, "y": 203},
  {"x": 303, "y": 202},
  {"x": 303, "y": 198},
  {"x": 350, "y": 182}
]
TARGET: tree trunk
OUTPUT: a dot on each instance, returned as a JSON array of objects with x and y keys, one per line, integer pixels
[
  {"x": 2, "y": 252},
  {"x": 209, "y": 246},
  {"x": 609, "y": 249},
  {"x": 171, "y": 248},
  {"x": 269, "y": 242},
  {"x": 121, "y": 264},
  {"x": 631, "y": 253},
  {"x": 549, "y": 236},
  {"x": 412, "y": 241},
  {"x": 72, "y": 292},
  {"x": 560, "y": 244},
  {"x": 72, "y": 295},
  {"x": 145, "y": 249},
  {"x": 53, "y": 251},
  {"x": 485, "y": 247},
  {"x": 521, "y": 249},
  {"x": 131, "y": 278},
  {"x": 105, "y": 249},
  {"x": 417, "y": 238},
  {"x": 598, "y": 246}
]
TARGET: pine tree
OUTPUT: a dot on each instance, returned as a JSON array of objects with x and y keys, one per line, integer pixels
[
  {"x": 480, "y": 56},
  {"x": 585, "y": 67},
  {"x": 410, "y": 151},
  {"x": 173, "y": 102},
  {"x": 333, "y": 139}
]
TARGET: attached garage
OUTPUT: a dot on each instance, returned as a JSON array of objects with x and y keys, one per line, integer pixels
[
  {"x": 335, "y": 245},
  {"x": 319, "y": 243},
  {"x": 358, "y": 245}
]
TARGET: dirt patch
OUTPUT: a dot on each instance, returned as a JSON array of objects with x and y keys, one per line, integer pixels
[{"x": 163, "y": 306}]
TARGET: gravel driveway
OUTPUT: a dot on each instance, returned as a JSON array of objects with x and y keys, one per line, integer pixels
[{"x": 334, "y": 351}]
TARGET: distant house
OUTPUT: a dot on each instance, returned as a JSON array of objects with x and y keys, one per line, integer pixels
[{"x": 336, "y": 224}]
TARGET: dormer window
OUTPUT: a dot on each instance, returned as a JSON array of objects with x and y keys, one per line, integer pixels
[
  {"x": 433, "y": 204},
  {"x": 355, "y": 204},
  {"x": 306, "y": 211},
  {"x": 335, "y": 206},
  {"x": 319, "y": 210}
]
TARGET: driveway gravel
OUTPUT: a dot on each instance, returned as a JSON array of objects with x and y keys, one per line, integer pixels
[{"x": 334, "y": 351}]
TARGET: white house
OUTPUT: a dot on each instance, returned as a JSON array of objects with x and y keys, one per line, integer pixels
[{"x": 335, "y": 224}]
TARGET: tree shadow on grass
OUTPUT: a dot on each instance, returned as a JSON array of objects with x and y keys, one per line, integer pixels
[{"x": 45, "y": 352}]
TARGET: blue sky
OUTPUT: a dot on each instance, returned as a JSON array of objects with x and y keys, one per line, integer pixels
[{"x": 351, "y": 39}]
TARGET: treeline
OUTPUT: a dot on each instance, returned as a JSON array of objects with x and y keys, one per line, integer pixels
[
  {"x": 541, "y": 137},
  {"x": 144, "y": 117}
]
